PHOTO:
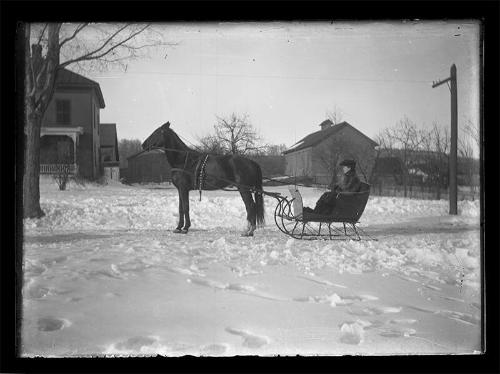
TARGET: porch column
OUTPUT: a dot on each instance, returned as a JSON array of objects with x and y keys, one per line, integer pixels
[{"x": 75, "y": 147}]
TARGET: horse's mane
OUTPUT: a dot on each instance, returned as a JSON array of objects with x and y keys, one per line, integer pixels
[{"x": 179, "y": 141}]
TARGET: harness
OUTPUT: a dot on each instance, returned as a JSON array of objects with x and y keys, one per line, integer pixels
[{"x": 200, "y": 173}]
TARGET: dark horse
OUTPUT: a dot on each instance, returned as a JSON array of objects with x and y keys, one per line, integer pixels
[{"x": 194, "y": 170}]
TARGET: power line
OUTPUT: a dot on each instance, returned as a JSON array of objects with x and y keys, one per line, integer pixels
[{"x": 269, "y": 77}]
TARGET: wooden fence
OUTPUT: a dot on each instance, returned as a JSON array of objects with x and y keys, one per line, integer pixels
[
  {"x": 58, "y": 168},
  {"x": 464, "y": 193}
]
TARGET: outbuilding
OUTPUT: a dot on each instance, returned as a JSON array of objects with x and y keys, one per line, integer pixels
[
  {"x": 110, "y": 159},
  {"x": 148, "y": 166},
  {"x": 318, "y": 154}
]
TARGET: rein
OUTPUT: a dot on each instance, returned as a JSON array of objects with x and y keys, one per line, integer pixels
[{"x": 201, "y": 178}]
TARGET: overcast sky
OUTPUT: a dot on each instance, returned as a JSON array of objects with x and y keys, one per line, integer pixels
[{"x": 286, "y": 76}]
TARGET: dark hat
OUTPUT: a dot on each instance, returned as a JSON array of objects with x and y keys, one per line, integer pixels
[{"x": 348, "y": 163}]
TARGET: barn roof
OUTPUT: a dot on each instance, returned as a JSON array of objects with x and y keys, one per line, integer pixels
[
  {"x": 67, "y": 78},
  {"x": 317, "y": 137}
]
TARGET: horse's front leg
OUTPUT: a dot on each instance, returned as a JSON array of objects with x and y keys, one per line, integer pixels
[
  {"x": 178, "y": 229},
  {"x": 183, "y": 212},
  {"x": 185, "y": 207}
]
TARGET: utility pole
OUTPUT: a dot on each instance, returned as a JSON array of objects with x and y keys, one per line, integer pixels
[{"x": 452, "y": 166}]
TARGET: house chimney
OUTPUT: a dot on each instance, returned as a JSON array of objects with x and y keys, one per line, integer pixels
[{"x": 325, "y": 124}]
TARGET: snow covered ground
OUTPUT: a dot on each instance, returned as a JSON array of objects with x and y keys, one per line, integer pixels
[{"x": 104, "y": 274}]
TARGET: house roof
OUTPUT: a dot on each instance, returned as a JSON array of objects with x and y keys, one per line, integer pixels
[
  {"x": 317, "y": 137},
  {"x": 67, "y": 78},
  {"x": 108, "y": 137},
  {"x": 108, "y": 134}
]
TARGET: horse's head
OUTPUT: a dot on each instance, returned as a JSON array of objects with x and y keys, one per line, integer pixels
[{"x": 157, "y": 138}]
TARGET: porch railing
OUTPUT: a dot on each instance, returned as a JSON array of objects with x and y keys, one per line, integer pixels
[{"x": 58, "y": 168}]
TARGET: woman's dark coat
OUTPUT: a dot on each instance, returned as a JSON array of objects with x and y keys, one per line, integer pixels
[{"x": 349, "y": 183}]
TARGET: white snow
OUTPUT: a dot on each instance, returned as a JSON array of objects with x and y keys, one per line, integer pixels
[{"x": 104, "y": 274}]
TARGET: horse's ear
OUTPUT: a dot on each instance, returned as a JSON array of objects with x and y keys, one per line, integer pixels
[{"x": 166, "y": 125}]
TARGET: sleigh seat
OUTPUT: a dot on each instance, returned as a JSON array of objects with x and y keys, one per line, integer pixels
[{"x": 340, "y": 224}]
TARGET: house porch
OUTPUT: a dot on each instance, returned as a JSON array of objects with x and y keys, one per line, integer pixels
[{"x": 58, "y": 149}]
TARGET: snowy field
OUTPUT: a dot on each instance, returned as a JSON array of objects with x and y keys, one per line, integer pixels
[{"x": 105, "y": 275}]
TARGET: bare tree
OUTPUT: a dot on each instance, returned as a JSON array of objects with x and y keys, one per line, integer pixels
[
  {"x": 211, "y": 144},
  {"x": 386, "y": 160},
  {"x": 127, "y": 148},
  {"x": 338, "y": 149},
  {"x": 472, "y": 131},
  {"x": 466, "y": 154},
  {"x": 436, "y": 144},
  {"x": 335, "y": 115},
  {"x": 51, "y": 47},
  {"x": 62, "y": 173},
  {"x": 429, "y": 158},
  {"x": 432, "y": 159},
  {"x": 236, "y": 135},
  {"x": 407, "y": 138},
  {"x": 330, "y": 158},
  {"x": 274, "y": 149}
]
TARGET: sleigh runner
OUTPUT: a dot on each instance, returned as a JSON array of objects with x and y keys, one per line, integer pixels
[{"x": 340, "y": 224}]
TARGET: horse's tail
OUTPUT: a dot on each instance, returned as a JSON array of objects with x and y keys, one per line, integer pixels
[{"x": 259, "y": 199}]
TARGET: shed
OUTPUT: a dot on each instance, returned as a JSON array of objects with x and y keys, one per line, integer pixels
[
  {"x": 110, "y": 159},
  {"x": 148, "y": 166}
]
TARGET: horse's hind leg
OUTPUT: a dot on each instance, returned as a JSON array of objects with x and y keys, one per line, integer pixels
[{"x": 250, "y": 207}]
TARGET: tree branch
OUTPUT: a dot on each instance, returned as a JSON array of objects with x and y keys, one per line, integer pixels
[
  {"x": 42, "y": 33},
  {"x": 93, "y": 56},
  {"x": 75, "y": 33}
]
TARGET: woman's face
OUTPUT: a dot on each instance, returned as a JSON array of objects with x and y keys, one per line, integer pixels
[{"x": 345, "y": 169}]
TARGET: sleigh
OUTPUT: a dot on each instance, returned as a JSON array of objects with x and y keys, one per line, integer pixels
[{"x": 340, "y": 224}]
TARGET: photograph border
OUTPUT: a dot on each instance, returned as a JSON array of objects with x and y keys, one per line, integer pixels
[{"x": 11, "y": 254}]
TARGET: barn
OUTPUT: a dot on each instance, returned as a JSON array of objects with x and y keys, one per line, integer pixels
[
  {"x": 318, "y": 154},
  {"x": 148, "y": 166}
]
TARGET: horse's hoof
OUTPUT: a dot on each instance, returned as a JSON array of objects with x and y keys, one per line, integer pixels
[
  {"x": 246, "y": 234},
  {"x": 177, "y": 231},
  {"x": 184, "y": 231}
]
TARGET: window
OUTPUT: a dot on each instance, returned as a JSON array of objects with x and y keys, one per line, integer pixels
[{"x": 63, "y": 112}]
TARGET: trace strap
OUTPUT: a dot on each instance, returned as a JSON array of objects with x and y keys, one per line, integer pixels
[{"x": 201, "y": 174}]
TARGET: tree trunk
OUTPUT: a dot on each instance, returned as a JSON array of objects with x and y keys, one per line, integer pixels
[
  {"x": 31, "y": 177},
  {"x": 39, "y": 79},
  {"x": 405, "y": 184}
]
